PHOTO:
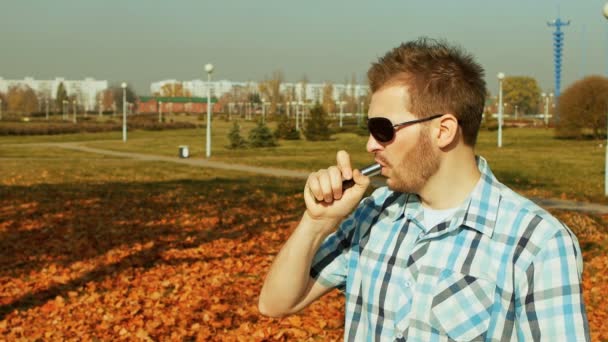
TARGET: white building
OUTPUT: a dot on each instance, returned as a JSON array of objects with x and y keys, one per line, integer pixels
[
  {"x": 85, "y": 90},
  {"x": 313, "y": 92}
]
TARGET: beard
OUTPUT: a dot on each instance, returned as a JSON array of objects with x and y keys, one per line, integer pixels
[{"x": 414, "y": 170}]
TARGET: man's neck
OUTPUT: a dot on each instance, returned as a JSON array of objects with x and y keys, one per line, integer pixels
[{"x": 457, "y": 176}]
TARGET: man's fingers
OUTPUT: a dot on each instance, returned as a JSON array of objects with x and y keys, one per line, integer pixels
[
  {"x": 335, "y": 178},
  {"x": 343, "y": 161},
  {"x": 325, "y": 183},
  {"x": 315, "y": 187}
]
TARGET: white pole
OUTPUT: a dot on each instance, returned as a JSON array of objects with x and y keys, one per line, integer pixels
[
  {"x": 341, "y": 105},
  {"x": 160, "y": 111},
  {"x": 124, "y": 111},
  {"x": 0, "y": 109},
  {"x": 46, "y": 105},
  {"x": 74, "y": 108},
  {"x": 209, "y": 69},
  {"x": 297, "y": 117},
  {"x": 500, "y": 77}
]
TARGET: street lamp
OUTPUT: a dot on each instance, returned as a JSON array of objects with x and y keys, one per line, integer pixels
[
  {"x": 264, "y": 110},
  {"x": 160, "y": 111},
  {"x": 124, "y": 111},
  {"x": 74, "y": 109},
  {"x": 209, "y": 70},
  {"x": 99, "y": 103},
  {"x": 0, "y": 109},
  {"x": 63, "y": 115},
  {"x": 500, "y": 76},
  {"x": 46, "y": 106},
  {"x": 605, "y": 12},
  {"x": 341, "y": 110}
]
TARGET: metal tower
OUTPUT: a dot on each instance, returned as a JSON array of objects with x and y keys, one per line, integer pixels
[{"x": 558, "y": 44}]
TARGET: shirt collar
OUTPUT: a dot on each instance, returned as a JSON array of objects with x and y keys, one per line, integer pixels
[{"x": 478, "y": 211}]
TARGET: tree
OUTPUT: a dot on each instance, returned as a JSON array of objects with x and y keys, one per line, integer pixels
[
  {"x": 329, "y": 105},
  {"x": 286, "y": 129},
  {"x": 303, "y": 85},
  {"x": 62, "y": 95},
  {"x": 117, "y": 96},
  {"x": 583, "y": 107},
  {"x": 175, "y": 89},
  {"x": 271, "y": 89},
  {"x": 22, "y": 99},
  {"x": 261, "y": 136},
  {"x": 521, "y": 92},
  {"x": 235, "y": 138},
  {"x": 317, "y": 127}
]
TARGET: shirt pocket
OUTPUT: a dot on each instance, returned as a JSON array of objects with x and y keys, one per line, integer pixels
[{"x": 461, "y": 306}]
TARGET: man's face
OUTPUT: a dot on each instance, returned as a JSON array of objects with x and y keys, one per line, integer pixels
[{"x": 410, "y": 159}]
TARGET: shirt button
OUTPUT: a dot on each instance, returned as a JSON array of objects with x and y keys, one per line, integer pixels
[
  {"x": 408, "y": 284},
  {"x": 399, "y": 336}
]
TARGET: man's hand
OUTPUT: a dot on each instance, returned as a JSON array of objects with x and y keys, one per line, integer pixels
[{"x": 325, "y": 199}]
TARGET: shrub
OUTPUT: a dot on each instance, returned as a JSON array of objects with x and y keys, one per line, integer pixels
[
  {"x": 235, "y": 138},
  {"x": 317, "y": 127},
  {"x": 261, "y": 136},
  {"x": 582, "y": 108},
  {"x": 286, "y": 129}
]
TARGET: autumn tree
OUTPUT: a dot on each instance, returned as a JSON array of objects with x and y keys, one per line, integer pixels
[
  {"x": 117, "y": 96},
  {"x": 317, "y": 127},
  {"x": 62, "y": 95},
  {"x": 174, "y": 89},
  {"x": 21, "y": 99},
  {"x": 303, "y": 85},
  {"x": 523, "y": 92},
  {"x": 583, "y": 107},
  {"x": 271, "y": 89},
  {"x": 329, "y": 105}
]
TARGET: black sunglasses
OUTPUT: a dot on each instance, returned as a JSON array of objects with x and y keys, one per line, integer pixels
[{"x": 383, "y": 130}]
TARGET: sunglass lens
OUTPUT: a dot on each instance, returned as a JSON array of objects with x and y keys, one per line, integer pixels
[{"x": 381, "y": 129}]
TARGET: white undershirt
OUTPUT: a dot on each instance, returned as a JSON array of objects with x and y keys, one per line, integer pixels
[{"x": 433, "y": 216}]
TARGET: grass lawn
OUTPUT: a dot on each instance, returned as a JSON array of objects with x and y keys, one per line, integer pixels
[{"x": 530, "y": 161}]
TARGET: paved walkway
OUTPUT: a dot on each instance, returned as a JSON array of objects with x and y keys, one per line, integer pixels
[{"x": 545, "y": 203}]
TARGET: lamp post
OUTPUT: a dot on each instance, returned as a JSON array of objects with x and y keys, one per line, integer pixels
[
  {"x": 100, "y": 108},
  {"x": 74, "y": 109},
  {"x": 546, "y": 99},
  {"x": 264, "y": 110},
  {"x": 46, "y": 106},
  {"x": 209, "y": 70},
  {"x": 65, "y": 102},
  {"x": 500, "y": 76},
  {"x": 341, "y": 111},
  {"x": 0, "y": 109},
  {"x": 160, "y": 111},
  {"x": 124, "y": 111},
  {"x": 605, "y": 12}
]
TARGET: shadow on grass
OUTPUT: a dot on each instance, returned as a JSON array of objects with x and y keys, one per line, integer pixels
[{"x": 63, "y": 224}]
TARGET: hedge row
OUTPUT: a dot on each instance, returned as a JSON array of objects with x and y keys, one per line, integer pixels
[{"x": 37, "y": 128}]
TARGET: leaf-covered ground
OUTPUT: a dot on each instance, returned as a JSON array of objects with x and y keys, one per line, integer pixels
[{"x": 176, "y": 260}]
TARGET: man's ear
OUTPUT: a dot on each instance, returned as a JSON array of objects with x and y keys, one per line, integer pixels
[{"x": 447, "y": 133}]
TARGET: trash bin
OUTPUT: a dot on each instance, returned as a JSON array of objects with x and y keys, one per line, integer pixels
[{"x": 183, "y": 151}]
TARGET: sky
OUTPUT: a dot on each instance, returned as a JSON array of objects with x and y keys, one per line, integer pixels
[{"x": 324, "y": 40}]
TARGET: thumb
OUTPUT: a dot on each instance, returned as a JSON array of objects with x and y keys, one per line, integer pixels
[{"x": 361, "y": 181}]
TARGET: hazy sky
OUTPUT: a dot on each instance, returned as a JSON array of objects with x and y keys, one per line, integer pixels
[{"x": 146, "y": 41}]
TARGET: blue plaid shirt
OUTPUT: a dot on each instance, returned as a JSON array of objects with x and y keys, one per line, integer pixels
[{"x": 500, "y": 269}]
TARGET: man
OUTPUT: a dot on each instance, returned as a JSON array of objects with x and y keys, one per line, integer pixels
[{"x": 445, "y": 251}]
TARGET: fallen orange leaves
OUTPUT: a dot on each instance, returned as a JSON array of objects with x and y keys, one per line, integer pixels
[{"x": 176, "y": 261}]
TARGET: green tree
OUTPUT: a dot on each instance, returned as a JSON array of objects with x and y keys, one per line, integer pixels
[
  {"x": 317, "y": 127},
  {"x": 62, "y": 95},
  {"x": 235, "y": 138},
  {"x": 286, "y": 129},
  {"x": 583, "y": 109},
  {"x": 521, "y": 92},
  {"x": 261, "y": 136}
]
